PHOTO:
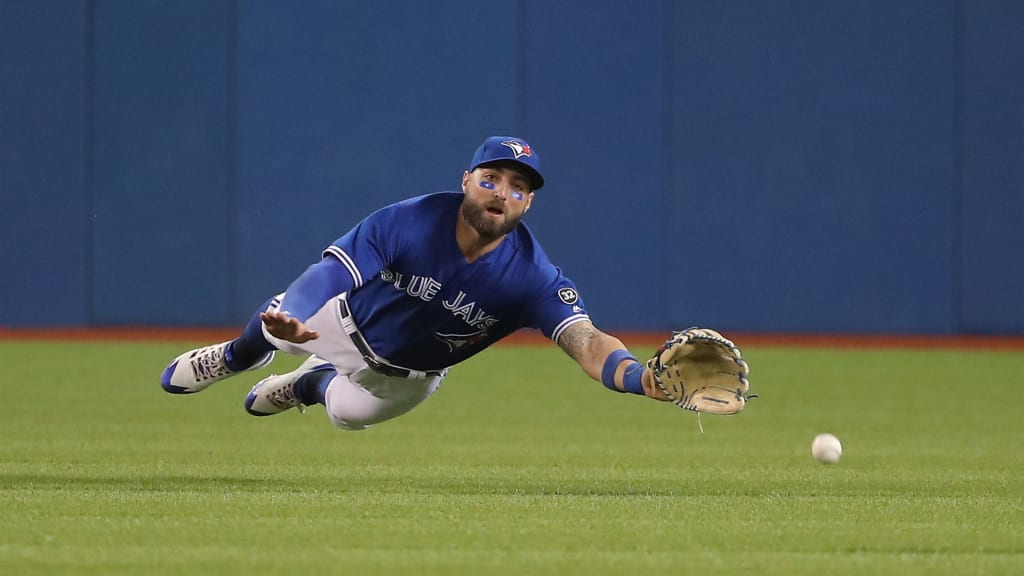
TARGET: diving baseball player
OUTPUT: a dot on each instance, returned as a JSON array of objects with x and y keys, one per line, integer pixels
[{"x": 412, "y": 290}]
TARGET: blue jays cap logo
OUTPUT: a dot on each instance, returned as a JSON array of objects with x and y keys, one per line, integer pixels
[
  {"x": 518, "y": 148},
  {"x": 512, "y": 148}
]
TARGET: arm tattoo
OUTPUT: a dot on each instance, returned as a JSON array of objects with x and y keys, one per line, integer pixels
[{"x": 576, "y": 338}]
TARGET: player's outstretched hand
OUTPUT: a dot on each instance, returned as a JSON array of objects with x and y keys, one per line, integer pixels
[
  {"x": 701, "y": 370},
  {"x": 651, "y": 389},
  {"x": 283, "y": 326}
]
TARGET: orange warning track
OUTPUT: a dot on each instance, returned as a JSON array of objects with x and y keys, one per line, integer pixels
[{"x": 530, "y": 338}]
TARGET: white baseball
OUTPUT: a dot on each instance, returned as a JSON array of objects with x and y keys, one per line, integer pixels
[{"x": 826, "y": 448}]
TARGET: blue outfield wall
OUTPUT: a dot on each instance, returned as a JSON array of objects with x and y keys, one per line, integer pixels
[
  {"x": 45, "y": 231},
  {"x": 796, "y": 167}
]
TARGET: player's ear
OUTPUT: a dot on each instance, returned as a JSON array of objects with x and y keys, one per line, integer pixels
[
  {"x": 465, "y": 181},
  {"x": 529, "y": 201}
]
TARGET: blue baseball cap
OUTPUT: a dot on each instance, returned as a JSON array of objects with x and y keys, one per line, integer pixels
[{"x": 497, "y": 148}]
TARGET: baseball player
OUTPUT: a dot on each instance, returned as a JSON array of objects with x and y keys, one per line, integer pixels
[{"x": 412, "y": 290}]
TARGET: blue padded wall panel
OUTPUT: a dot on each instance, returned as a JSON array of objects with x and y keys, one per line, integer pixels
[
  {"x": 162, "y": 166},
  {"x": 44, "y": 213},
  {"x": 991, "y": 278},
  {"x": 811, "y": 157},
  {"x": 595, "y": 108},
  {"x": 345, "y": 106},
  {"x": 795, "y": 166}
]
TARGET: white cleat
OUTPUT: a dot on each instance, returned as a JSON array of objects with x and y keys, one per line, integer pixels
[
  {"x": 275, "y": 394},
  {"x": 195, "y": 370}
]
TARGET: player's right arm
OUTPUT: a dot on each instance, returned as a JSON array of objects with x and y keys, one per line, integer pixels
[
  {"x": 359, "y": 254},
  {"x": 307, "y": 294}
]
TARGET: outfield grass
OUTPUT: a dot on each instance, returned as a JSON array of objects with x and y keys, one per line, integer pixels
[{"x": 519, "y": 465}]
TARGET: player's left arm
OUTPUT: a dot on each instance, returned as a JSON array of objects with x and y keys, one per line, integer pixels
[{"x": 606, "y": 359}]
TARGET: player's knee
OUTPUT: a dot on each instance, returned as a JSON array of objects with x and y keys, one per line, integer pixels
[
  {"x": 348, "y": 406},
  {"x": 346, "y": 424}
]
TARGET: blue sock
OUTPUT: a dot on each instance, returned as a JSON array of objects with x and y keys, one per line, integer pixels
[
  {"x": 248, "y": 348},
  {"x": 311, "y": 388}
]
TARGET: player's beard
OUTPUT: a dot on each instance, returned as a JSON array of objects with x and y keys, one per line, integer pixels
[{"x": 477, "y": 217}]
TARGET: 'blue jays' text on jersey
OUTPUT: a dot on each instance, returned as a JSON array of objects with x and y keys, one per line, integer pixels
[{"x": 418, "y": 302}]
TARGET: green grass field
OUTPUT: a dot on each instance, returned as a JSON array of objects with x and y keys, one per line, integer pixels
[{"x": 519, "y": 465}]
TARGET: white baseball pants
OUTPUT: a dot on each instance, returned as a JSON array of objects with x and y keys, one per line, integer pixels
[{"x": 357, "y": 397}]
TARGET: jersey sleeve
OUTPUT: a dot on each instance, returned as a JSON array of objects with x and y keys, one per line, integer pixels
[
  {"x": 369, "y": 247},
  {"x": 314, "y": 287},
  {"x": 556, "y": 307},
  {"x": 346, "y": 264}
]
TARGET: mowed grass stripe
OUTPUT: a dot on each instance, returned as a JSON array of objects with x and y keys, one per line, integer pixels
[{"x": 519, "y": 465}]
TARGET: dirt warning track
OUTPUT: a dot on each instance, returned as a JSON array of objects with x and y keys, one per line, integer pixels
[{"x": 534, "y": 338}]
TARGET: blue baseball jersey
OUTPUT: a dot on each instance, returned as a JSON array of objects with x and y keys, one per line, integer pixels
[{"x": 418, "y": 302}]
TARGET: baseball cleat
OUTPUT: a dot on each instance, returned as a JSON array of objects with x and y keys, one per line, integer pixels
[
  {"x": 195, "y": 370},
  {"x": 275, "y": 394}
]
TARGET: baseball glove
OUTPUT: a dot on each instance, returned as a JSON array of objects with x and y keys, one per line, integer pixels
[{"x": 701, "y": 370}]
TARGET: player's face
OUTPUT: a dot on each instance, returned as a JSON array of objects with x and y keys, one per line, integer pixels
[{"x": 497, "y": 196}]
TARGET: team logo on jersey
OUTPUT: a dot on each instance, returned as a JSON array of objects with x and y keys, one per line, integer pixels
[
  {"x": 520, "y": 149},
  {"x": 471, "y": 312},
  {"x": 568, "y": 295},
  {"x": 456, "y": 341},
  {"x": 422, "y": 287}
]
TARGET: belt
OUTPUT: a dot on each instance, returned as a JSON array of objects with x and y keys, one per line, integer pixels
[{"x": 375, "y": 362}]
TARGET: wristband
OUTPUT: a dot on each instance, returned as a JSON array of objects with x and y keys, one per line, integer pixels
[
  {"x": 633, "y": 379},
  {"x": 610, "y": 364}
]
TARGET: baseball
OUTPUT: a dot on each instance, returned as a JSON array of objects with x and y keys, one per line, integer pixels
[{"x": 826, "y": 448}]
